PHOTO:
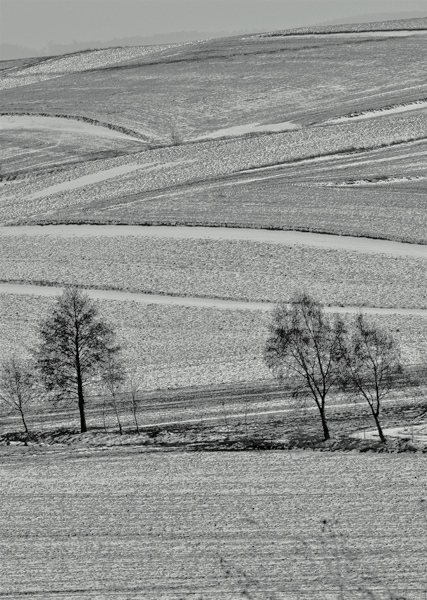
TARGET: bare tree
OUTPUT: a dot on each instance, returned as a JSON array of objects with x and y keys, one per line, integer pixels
[
  {"x": 18, "y": 385},
  {"x": 175, "y": 137},
  {"x": 303, "y": 347},
  {"x": 372, "y": 361},
  {"x": 74, "y": 346},
  {"x": 134, "y": 391},
  {"x": 113, "y": 377}
]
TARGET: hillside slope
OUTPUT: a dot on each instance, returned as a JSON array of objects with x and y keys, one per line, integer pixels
[
  {"x": 323, "y": 132},
  {"x": 199, "y": 88}
]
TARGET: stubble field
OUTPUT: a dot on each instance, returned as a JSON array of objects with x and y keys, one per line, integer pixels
[{"x": 172, "y": 526}]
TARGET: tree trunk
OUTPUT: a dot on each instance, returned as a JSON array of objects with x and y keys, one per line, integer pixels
[
  {"x": 104, "y": 408},
  {"x": 83, "y": 427},
  {"x": 117, "y": 414},
  {"x": 324, "y": 423},
  {"x": 23, "y": 421},
  {"x": 136, "y": 421},
  {"x": 377, "y": 423},
  {"x": 80, "y": 395}
]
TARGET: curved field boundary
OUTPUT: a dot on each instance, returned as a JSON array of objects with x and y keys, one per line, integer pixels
[
  {"x": 285, "y": 237},
  {"x": 128, "y": 133},
  {"x": 88, "y": 180},
  {"x": 249, "y": 128},
  {"x": 379, "y": 112},
  {"x": 142, "y": 298}
]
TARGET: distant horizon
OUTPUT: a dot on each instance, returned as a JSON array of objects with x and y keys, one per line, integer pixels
[{"x": 48, "y": 31}]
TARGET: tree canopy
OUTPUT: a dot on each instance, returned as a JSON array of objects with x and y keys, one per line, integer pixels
[
  {"x": 303, "y": 347},
  {"x": 75, "y": 343}
]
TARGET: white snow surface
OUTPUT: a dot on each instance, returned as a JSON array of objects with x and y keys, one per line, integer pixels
[
  {"x": 238, "y": 130},
  {"x": 87, "y": 180},
  {"x": 416, "y": 433},
  {"x": 200, "y": 302},
  {"x": 321, "y": 240},
  {"x": 387, "y": 110},
  {"x": 60, "y": 124}
]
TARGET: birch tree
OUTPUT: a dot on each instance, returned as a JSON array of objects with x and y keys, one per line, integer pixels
[
  {"x": 372, "y": 361},
  {"x": 18, "y": 386},
  {"x": 303, "y": 347}
]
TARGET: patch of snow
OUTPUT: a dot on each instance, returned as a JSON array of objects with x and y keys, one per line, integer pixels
[
  {"x": 101, "y": 176},
  {"x": 387, "y": 110},
  {"x": 322, "y": 240},
  {"x": 142, "y": 298},
  {"x": 97, "y": 177},
  {"x": 416, "y": 433},
  {"x": 86, "y": 180},
  {"x": 239, "y": 130},
  {"x": 363, "y": 182},
  {"x": 60, "y": 124}
]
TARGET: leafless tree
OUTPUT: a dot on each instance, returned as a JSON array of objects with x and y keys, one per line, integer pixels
[
  {"x": 74, "y": 345},
  {"x": 113, "y": 377},
  {"x": 372, "y": 361},
  {"x": 175, "y": 137},
  {"x": 134, "y": 389},
  {"x": 303, "y": 347},
  {"x": 18, "y": 385}
]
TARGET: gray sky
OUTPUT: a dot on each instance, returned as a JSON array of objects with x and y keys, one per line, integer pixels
[{"x": 33, "y": 23}]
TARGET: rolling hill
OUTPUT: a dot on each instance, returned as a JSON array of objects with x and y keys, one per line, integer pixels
[{"x": 318, "y": 130}]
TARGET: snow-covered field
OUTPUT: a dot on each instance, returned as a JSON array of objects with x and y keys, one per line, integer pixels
[
  {"x": 294, "y": 524},
  {"x": 305, "y": 148},
  {"x": 387, "y": 110},
  {"x": 232, "y": 84},
  {"x": 48, "y": 290},
  {"x": 79, "y": 62},
  {"x": 288, "y": 238},
  {"x": 47, "y": 196},
  {"x": 289, "y": 173},
  {"x": 249, "y": 128},
  {"x": 236, "y": 269},
  {"x": 178, "y": 346},
  {"x": 58, "y": 124}
]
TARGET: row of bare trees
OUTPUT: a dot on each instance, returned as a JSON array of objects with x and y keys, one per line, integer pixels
[
  {"x": 314, "y": 352},
  {"x": 77, "y": 351},
  {"x": 319, "y": 354}
]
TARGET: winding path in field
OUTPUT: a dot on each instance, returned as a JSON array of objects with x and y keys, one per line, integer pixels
[
  {"x": 189, "y": 301},
  {"x": 284, "y": 237}
]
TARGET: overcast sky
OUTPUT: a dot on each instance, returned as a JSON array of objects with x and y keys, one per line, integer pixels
[{"x": 33, "y": 23}]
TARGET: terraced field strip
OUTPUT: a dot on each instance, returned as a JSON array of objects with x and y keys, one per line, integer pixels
[
  {"x": 47, "y": 290},
  {"x": 87, "y": 180},
  {"x": 59, "y": 124},
  {"x": 378, "y": 112},
  {"x": 249, "y": 128},
  {"x": 286, "y": 237}
]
